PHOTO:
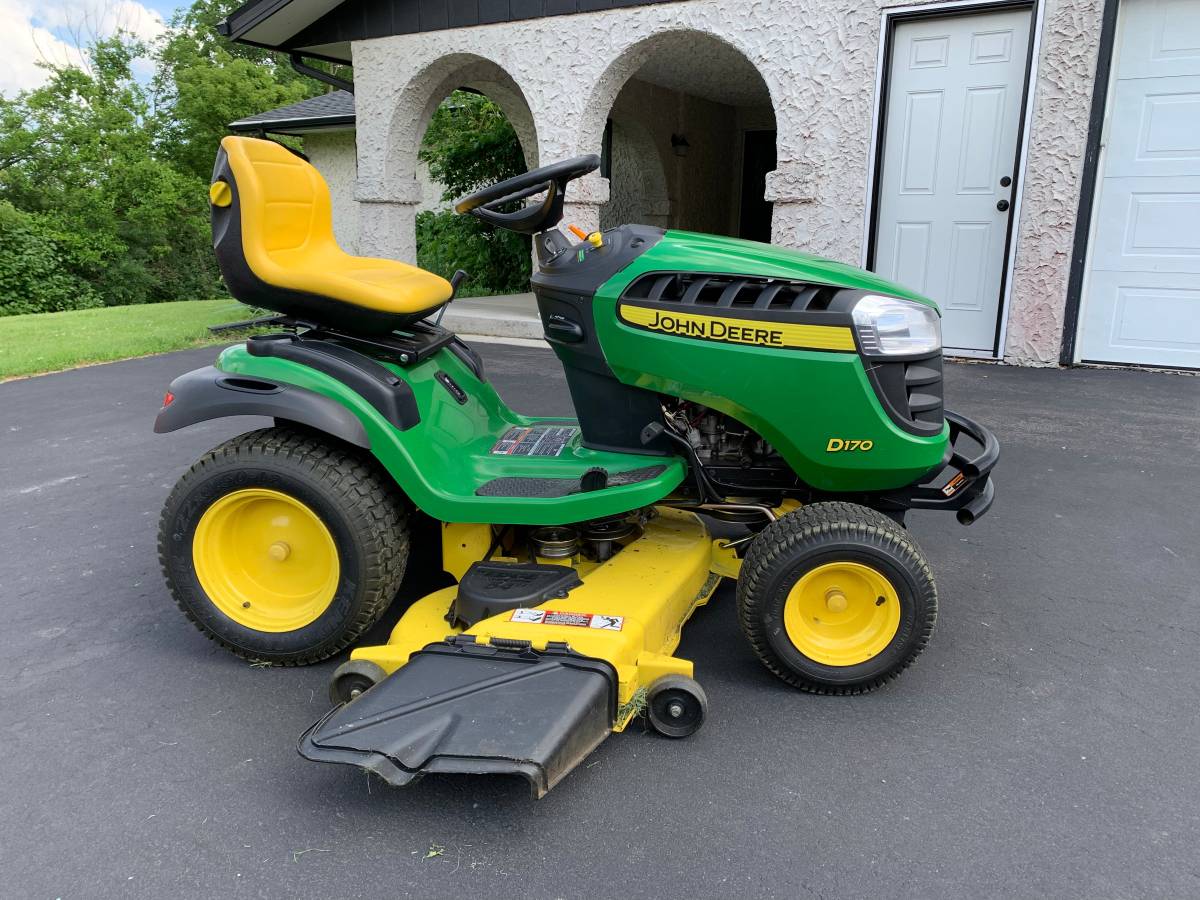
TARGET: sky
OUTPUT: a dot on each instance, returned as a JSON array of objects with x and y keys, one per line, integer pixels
[{"x": 42, "y": 30}]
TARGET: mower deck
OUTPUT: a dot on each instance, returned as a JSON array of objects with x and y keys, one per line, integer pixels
[{"x": 531, "y": 690}]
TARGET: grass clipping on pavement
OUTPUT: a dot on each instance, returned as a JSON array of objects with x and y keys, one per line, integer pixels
[{"x": 49, "y": 342}]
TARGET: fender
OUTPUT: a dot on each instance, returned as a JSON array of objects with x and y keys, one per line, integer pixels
[
  {"x": 209, "y": 393},
  {"x": 441, "y": 452}
]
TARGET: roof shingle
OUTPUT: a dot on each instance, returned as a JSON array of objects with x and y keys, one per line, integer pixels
[{"x": 332, "y": 110}]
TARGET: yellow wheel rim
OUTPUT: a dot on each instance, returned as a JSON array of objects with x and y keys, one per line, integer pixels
[
  {"x": 266, "y": 560},
  {"x": 842, "y": 614}
]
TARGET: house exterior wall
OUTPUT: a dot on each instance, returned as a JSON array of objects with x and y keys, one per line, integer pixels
[
  {"x": 557, "y": 79},
  {"x": 651, "y": 185},
  {"x": 336, "y": 158},
  {"x": 1053, "y": 175}
]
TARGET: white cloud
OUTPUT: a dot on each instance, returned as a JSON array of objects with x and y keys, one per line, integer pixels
[{"x": 49, "y": 32}]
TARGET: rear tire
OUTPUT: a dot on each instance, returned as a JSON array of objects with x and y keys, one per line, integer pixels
[
  {"x": 836, "y": 598},
  {"x": 284, "y": 546}
]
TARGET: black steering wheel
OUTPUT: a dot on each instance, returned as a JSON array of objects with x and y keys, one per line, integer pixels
[{"x": 487, "y": 203}]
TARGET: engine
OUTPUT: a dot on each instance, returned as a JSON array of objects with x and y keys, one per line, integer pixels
[{"x": 717, "y": 439}]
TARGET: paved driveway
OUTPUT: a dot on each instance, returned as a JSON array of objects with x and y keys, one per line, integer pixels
[{"x": 1045, "y": 745}]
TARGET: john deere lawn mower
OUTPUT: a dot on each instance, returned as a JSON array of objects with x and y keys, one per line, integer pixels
[{"x": 796, "y": 401}]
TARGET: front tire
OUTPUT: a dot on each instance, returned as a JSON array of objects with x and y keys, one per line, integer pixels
[
  {"x": 836, "y": 598},
  {"x": 283, "y": 546}
]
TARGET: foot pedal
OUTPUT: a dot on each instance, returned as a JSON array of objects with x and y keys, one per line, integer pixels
[{"x": 474, "y": 709}]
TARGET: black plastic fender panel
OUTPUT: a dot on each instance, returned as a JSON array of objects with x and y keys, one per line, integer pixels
[
  {"x": 477, "y": 709},
  {"x": 209, "y": 393}
]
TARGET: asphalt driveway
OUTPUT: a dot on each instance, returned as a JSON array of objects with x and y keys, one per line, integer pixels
[{"x": 1046, "y": 744}]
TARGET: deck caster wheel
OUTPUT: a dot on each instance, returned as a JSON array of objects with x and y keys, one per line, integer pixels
[
  {"x": 676, "y": 706},
  {"x": 354, "y": 677},
  {"x": 836, "y": 598}
]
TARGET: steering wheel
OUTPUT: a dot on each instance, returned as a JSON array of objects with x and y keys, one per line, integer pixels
[{"x": 487, "y": 203}]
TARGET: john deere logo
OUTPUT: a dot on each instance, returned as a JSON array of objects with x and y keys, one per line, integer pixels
[
  {"x": 716, "y": 329},
  {"x": 726, "y": 329}
]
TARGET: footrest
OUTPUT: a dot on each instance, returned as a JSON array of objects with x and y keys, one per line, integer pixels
[
  {"x": 474, "y": 709},
  {"x": 518, "y": 486}
]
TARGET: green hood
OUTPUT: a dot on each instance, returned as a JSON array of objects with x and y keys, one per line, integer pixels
[{"x": 691, "y": 252}]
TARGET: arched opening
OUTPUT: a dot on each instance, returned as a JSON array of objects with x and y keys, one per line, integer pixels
[
  {"x": 687, "y": 137},
  {"x": 461, "y": 124}
]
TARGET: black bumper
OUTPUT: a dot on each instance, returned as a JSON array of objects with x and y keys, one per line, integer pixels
[
  {"x": 963, "y": 483},
  {"x": 468, "y": 708}
]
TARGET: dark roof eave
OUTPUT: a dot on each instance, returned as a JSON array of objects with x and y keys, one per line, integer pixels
[
  {"x": 248, "y": 15},
  {"x": 323, "y": 57},
  {"x": 281, "y": 126}
]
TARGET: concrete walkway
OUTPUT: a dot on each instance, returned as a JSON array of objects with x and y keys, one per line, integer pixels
[{"x": 502, "y": 316}]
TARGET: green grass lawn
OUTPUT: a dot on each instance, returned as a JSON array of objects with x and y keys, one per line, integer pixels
[{"x": 47, "y": 342}]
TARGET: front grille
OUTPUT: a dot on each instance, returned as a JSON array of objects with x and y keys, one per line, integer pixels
[
  {"x": 730, "y": 292},
  {"x": 911, "y": 392}
]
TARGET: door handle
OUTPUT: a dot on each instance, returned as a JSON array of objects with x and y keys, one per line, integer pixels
[{"x": 1002, "y": 205}]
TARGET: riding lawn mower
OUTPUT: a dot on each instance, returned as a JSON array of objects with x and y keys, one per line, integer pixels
[{"x": 793, "y": 400}]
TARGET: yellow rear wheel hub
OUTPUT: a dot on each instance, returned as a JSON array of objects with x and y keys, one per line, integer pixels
[
  {"x": 842, "y": 613},
  {"x": 266, "y": 560}
]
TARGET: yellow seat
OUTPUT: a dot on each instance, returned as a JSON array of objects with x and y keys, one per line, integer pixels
[{"x": 277, "y": 248}]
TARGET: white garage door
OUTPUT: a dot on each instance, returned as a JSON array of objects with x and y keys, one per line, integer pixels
[{"x": 1141, "y": 301}]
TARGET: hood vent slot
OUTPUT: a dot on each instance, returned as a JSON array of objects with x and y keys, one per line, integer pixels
[{"x": 730, "y": 292}]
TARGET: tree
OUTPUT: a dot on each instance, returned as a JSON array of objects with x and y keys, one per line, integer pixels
[
  {"x": 204, "y": 81},
  {"x": 82, "y": 161},
  {"x": 35, "y": 268},
  {"x": 470, "y": 144},
  {"x": 103, "y": 181}
]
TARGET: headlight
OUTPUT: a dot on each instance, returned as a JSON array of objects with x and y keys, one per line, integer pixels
[{"x": 889, "y": 326}]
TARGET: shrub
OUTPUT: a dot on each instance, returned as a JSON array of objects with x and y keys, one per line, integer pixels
[
  {"x": 37, "y": 273},
  {"x": 497, "y": 261},
  {"x": 470, "y": 144}
]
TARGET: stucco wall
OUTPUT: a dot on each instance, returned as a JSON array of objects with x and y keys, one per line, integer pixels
[
  {"x": 634, "y": 159},
  {"x": 557, "y": 79},
  {"x": 335, "y": 156},
  {"x": 1057, "y": 137},
  {"x": 649, "y": 183},
  {"x": 431, "y": 191}
]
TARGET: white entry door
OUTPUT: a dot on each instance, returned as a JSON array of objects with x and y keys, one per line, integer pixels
[
  {"x": 953, "y": 115},
  {"x": 1141, "y": 298}
]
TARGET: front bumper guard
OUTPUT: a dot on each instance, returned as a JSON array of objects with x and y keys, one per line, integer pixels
[{"x": 968, "y": 490}]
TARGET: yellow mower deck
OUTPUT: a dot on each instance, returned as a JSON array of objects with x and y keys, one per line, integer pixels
[
  {"x": 533, "y": 690},
  {"x": 628, "y": 611}
]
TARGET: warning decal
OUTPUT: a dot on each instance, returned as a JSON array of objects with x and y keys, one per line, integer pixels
[
  {"x": 954, "y": 484},
  {"x": 534, "y": 440},
  {"x": 576, "y": 619}
]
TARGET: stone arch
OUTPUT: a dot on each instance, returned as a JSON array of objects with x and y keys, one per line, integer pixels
[
  {"x": 632, "y": 59},
  {"x": 685, "y": 91},
  {"x": 423, "y": 93},
  {"x": 388, "y": 188}
]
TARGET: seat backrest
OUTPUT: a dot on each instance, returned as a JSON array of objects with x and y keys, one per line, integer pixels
[{"x": 284, "y": 202}]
